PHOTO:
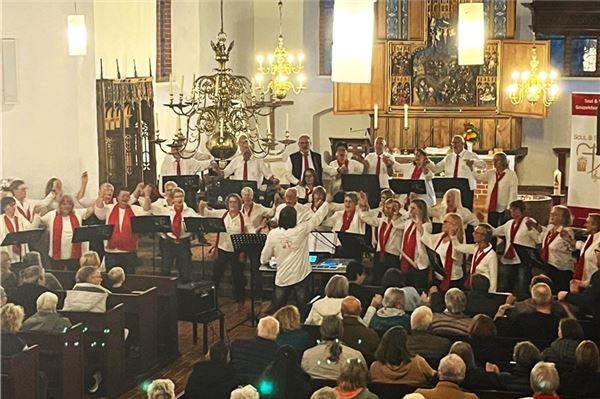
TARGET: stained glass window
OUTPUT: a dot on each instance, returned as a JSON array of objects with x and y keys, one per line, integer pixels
[
  {"x": 325, "y": 36},
  {"x": 583, "y": 55}
]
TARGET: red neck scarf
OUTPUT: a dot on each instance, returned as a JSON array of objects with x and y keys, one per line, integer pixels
[
  {"x": 13, "y": 229},
  {"x": 378, "y": 168},
  {"x": 448, "y": 263},
  {"x": 384, "y": 236},
  {"x": 514, "y": 227},
  {"x": 494, "y": 195},
  {"x": 347, "y": 218},
  {"x": 340, "y": 164},
  {"x": 456, "y": 164},
  {"x": 309, "y": 191},
  {"x": 177, "y": 223},
  {"x": 409, "y": 247},
  {"x": 306, "y": 166},
  {"x": 26, "y": 215},
  {"x": 579, "y": 267},
  {"x": 123, "y": 237},
  {"x": 242, "y": 228},
  {"x": 57, "y": 231},
  {"x": 479, "y": 255},
  {"x": 547, "y": 241},
  {"x": 544, "y": 396},
  {"x": 245, "y": 177},
  {"x": 416, "y": 174}
]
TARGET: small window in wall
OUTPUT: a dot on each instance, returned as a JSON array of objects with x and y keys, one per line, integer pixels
[
  {"x": 163, "y": 40},
  {"x": 325, "y": 36},
  {"x": 583, "y": 55},
  {"x": 574, "y": 55},
  {"x": 557, "y": 52}
]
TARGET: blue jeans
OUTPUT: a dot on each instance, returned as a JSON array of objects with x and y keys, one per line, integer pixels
[{"x": 281, "y": 296}]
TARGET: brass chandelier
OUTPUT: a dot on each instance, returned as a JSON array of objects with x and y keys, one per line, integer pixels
[
  {"x": 274, "y": 80},
  {"x": 223, "y": 107},
  {"x": 533, "y": 85}
]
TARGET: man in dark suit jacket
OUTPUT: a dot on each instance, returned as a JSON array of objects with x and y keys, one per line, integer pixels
[
  {"x": 27, "y": 294},
  {"x": 299, "y": 161},
  {"x": 356, "y": 333},
  {"x": 249, "y": 357}
]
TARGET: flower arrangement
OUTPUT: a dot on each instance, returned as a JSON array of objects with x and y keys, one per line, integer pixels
[{"x": 471, "y": 133}]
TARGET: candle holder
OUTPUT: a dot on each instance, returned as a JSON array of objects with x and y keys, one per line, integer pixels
[{"x": 404, "y": 149}]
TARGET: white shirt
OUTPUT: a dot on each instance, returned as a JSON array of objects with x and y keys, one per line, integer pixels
[
  {"x": 232, "y": 225},
  {"x": 288, "y": 167},
  {"x": 384, "y": 177},
  {"x": 524, "y": 237},
  {"x": 290, "y": 248},
  {"x": 421, "y": 259},
  {"x": 354, "y": 168},
  {"x": 488, "y": 266},
  {"x": 257, "y": 169},
  {"x": 590, "y": 265},
  {"x": 432, "y": 241},
  {"x": 447, "y": 164},
  {"x": 303, "y": 193},
  {"x": 189, "y": 166},
  {"x": 67, "y": 233},
  {"x": 23, "y": 224},
  {"x": 256, "y": 213},
  {"x": 427, "y": 175},
  {"x": 507, "y": 187},
  {"x": 187, "y": 212},
  {"x": 394, "y": 242},
  {"x": 302, "y": 213},
  {"x": 30, "y": 204},
  {"x": 104, "y": 212},
  {"x": 357, "y": 226},
  {"x": 559, "y": 250}
]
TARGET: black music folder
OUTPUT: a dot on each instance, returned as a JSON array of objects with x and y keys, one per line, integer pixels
[
  {"x": 188, "y": 183},
  {"x": 443, "y": 184},
  {"x": 435, "y": 261},
  {"x": 529, "y": 256},
  {"x": 368, "y": 184},
  {"x": 206, "y": 225},
  {"x": 217, "y": 192},
  {"x": 150, "y": 224},
  {"x": 407, "y": 186},
  {"x": 97, "y": 232}
]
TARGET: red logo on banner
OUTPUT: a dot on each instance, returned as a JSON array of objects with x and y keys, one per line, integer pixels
[{"x": 585, "y": 104}]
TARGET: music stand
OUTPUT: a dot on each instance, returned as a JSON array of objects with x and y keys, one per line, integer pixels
[
  {"x": 249, "y": 242},
  {"x": 529, "y": 256},
  {"x": 188, "y": 183},
  {"x": 443, "y": 184},
  {"x": 404, "y": 186},
  {"x": 97, "y": 232},
  {"x": 217, "y": 192},
  {"x": 368, "y": 184},
  {"x": 22, "y": 237},
  {"x": 150, "y": 225},
  {"x": 353, "y": 245},
  {"x": 436, "y": 262},
  {"x": 202, "y": 225}
]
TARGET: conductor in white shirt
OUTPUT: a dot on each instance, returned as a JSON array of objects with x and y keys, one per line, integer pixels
[{"x": 381, "y": 163}]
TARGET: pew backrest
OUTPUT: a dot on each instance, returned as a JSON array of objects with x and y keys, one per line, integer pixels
[{"x": 19, "y": 376}]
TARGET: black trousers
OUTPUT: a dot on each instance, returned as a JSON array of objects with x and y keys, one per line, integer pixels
[
  {"x": 231, "y": 259},
  {"x": 379, "y": 268},
  {"x": 301, "y": 290},
  {"x": 420, "y": 279},
  {"x": 127, "y": 260},
  {"x": 496, "y": 219},
  {"x": 560, "y": 278},
  {"x": 180, "y": 254}
]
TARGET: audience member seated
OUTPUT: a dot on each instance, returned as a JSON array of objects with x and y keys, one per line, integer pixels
[
  {"x": 527, "y": 305},
  {"x": 395, "y": 364},
  {"x": 335, "y": 291},
  {"x": 11, "y": 319},
  {"x": 46, "y": 319},
  {"x": 284, "y": 378},
  {"x": 476, "y": 377},
  {"x": 290, "y": 331},
  {"x": 544, "y": 381},
  {"x": 249, "y": 357},
  {"x": 245, "y": 392},
  {"x": 3, "y": 297},
  {"x": 88, "y": 294},
  {"x": 7, "y": 276},
  {"x": 431, "y": 347},
  {"x": 356, "y": 333},
  {"x": 33, "y": 285},
  {"x": 452, "y": 322},
  {"x": 213, "y": 378},
  {"x": 161, "y": 389},
  {"x": 325, "y": 393},
  {"x": 483, "y": 341},
  {"x": 325, "y": 360},
  {"x": 525, "y": 356},
  {"x": 394, "y": 278},
  {"x": 33, "y": 258},
  {"x": 479, "y": 300},
  {"x": 356, "y": 275},
  {"x": 116, "y": 277},
  {"x": 387, "y": 312},
  {"x": 584, "y": 380},
  {"x": 90, "y": 258},
  {"x": 451, "y": 373},
  {"x": 352, "y": 382},
  {"x": 562, "y": 351}
]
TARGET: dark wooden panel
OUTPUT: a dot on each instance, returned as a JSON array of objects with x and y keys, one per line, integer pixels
[{"x": 417, "y": 23}]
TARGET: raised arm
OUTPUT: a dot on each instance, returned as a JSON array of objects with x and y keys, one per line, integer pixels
[{"x": 82, "y": 186}]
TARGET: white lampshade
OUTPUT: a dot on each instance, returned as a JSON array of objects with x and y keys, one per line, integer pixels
[
  {"x": 77, "y": 35},
  {"x": 471, "y": 34},
  {"x": 352, "y": 48}
]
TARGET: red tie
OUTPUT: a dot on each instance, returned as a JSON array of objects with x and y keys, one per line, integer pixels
[
  {"x": 176, "y": 224},
  {"x": 384, "y": 235},
  {"x": 578, "y": 275},
  {"x": 245, "y": 170},
  {"x": 494, "y": 194},
  {"x": 306, "y": 167},
  {"x": 378, "y": 168},
  {"x": 456, "y": 166},
  {"x": 546, "y": 247},
  {"x": 178, "y": 167},
  {"x": 448, "y": 263}
]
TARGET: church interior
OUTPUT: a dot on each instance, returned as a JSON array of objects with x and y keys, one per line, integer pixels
[{"x": 300, "y": 199}]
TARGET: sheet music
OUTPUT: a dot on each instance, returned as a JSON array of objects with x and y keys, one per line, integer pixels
[{"x": 322, "y": 242}]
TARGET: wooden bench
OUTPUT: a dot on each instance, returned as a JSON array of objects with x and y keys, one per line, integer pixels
[
  {"x": 61, "y": 359},
  {"x": 104, "y": 345},
  {"x": 20, "y": 374}
]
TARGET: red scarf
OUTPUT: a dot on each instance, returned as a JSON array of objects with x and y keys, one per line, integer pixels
[
  {"x": 494, "y": 195},
  {"x": 578, "y": 274},
  {"x": 123, "y": 237},
  {"x": 215, "y": 248},
  {"x": 378, "y": 167},
  {"x": 409, "y": 247},
  {"x": 13, "y": 229},
  {"x": 546, "y": 247},
  {"x": 57, "y": 231},
  {"x": 545, "y": 396},
  {"x": 448, "y": 263},
  {"x": 309, "y": 191},
  {"x": 347, "y": 218},
  {"x": 26, "y": 215},
  {"x": 416, "y": 173},
  {"x": 384, "y": 236},
  {"x": 345, "y": 163},
  {"x": 176, "y": 224},
  {"x": 514, "y": 227},
  {"x": 479, "y": 255}
]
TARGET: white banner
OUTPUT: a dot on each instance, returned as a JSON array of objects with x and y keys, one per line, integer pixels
[{"x": 584, "y": 174}]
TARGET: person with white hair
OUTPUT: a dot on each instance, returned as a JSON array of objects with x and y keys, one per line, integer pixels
[
  {"x": 544, "y": 380},
  {"x": 46, "y": 319},
  {"x": 387, "y": 312},
  {"x": 302, "y": 160},
  {"x": 161, "y": 389},
  {"x": 291, "y": 199},
  {"x": 451, "y": 372},
  {"x": 249, "y": 357},
  {"x": 245, "y": 392},
  {"x": 453, "y": 321},
  {"x": 431, "y": 347}
]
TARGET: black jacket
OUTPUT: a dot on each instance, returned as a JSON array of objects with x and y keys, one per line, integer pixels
[
  {"x": 11, "y": 344},
  {"x": 518, "y": 380},
  {"x": 580, "y": 383},
  {"x": 488, "y": 349},
  {"x": 589, "y": 300},
  {"x": 210, "y": 380},
  {"x": 484, "y": 303},
  {"x": 26, "y": 295},
  {"x": 250, "y": 357},
  {"x": 478, "y": 378}
]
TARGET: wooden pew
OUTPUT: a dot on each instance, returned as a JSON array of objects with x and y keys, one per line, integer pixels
[
  {"x": 61, "y": 359},
  {"x": 141, "y": 319},
  {"x": 104, "y": 346},
  {"x": 66, "y": 278},
  {"x": 20, "y": 374}
]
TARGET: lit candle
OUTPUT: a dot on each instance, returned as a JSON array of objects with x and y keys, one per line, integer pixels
[
  {"x": 171, "y": 83},
  {"x": 156, "y": 121},
  {"x": 375, "y": 116},
  {"x": 557, "y": 181},
  {"x": 268, "y": 124},
  {"x": 182, "y": 76},
  {"x": 178, "y": 123},
  {"x": 287, "y": 122},
  {"x": 217, "y": 86},
  {"x": 406, "y": 116}
]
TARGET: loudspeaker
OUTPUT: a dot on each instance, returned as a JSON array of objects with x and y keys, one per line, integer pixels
[{"x": 195, "y": 298}]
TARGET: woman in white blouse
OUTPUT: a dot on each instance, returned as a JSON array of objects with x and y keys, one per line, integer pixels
[
  {"x": 335, "y": 291},
  {"x": 414, "y": 255},
  {"x": 485, "y": 260},
  {"x": 13, "y": 222},
  {"x": 306, "y": 186},
  {"x": 419, "y": 170},
  {"x": 452, "y": 203}
]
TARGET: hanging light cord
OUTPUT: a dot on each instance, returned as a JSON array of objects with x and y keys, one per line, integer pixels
[
  {"x": 280, "y": 4},
  {"x": 75, "y": 4},
  {"x": 221, "y": 16}
]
